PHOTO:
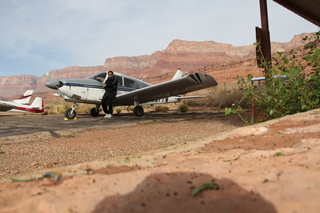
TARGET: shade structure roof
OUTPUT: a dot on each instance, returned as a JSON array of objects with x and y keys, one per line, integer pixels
[{"x": 308, "y": 9}]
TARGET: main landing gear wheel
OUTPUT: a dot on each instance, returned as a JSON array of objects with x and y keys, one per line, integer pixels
[
  {"x": 94, "y": 112},
  {"x": 70, "y": 113},
  {"x": 138, "y": 111}
]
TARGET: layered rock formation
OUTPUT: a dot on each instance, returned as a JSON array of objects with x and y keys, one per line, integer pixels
[{"x": 223, "y": 61}]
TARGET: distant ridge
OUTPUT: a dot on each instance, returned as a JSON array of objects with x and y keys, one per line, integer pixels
[{"x": 226, "y": 62}]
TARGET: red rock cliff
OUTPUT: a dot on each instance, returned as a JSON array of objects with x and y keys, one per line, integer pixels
[{"x": 226, "y": 60}]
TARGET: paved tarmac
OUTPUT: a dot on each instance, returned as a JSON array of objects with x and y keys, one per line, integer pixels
[{"x": 14, "y": 124}]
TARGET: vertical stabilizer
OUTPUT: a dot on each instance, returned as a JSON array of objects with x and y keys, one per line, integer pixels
[
  {"x": 25, "y": 98},
  {"x": 179, "y": 74},
  {"x": 37, "y": 105}
]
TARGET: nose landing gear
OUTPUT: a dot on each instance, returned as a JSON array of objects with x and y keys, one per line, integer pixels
[{"x": 71, "y": 112}]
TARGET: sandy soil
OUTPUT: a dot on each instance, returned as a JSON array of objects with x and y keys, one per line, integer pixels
[{"x": 155, "y": 166}]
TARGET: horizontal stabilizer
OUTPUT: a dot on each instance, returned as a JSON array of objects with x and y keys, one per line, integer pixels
[
  {"x": 189, "y": 97},
  {"x": 25, "y": 98}
]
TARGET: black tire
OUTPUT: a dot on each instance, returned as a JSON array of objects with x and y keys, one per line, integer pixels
[
  {"x": 138, "y": 111},
  {"x": 70, "y": 114},
  {"x": 94, "y": 112}
]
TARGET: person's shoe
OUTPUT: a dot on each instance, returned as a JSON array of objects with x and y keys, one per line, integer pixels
[{"x": 107, "y": 116}]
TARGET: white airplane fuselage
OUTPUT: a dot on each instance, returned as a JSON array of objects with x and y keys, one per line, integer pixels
[
  {"x": 91, "y": 91},
  {"x": 130, "y": 91}
]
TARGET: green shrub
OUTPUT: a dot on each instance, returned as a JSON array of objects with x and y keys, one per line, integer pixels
[
  {"x": 118, "y": 110},
  {"x": 183, "y": 108},
  {"x": 130, "y": 109},
  {"x": 298, "y": 92}
]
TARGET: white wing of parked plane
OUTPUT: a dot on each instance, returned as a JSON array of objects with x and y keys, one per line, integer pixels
[{"x": 176, "y": 86}]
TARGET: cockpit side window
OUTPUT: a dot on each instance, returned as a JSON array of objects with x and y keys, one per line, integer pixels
[
  {"x": 99, "y": 77},
  {"x": 128, "y": 83},
  {"x": 119, "y": 80}
]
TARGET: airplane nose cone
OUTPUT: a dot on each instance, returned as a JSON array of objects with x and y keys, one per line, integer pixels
[{"x": 53, "y": 84}]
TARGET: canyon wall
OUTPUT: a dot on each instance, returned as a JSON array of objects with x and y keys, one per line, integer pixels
[{"x": 223, "y": 61}]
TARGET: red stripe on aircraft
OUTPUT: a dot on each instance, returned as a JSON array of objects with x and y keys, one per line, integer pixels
[
  {"x": 23, "y": 97},
  {"x": 29, "y": 110}
]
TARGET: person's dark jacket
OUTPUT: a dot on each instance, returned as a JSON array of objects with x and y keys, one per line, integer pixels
[{"x": 111, "y": 84}]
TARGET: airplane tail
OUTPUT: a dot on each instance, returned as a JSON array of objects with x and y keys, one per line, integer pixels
[
  {"x": 37, "y": 105},
  {"x": 179, "y": 74},
  {"x": 25, "y": 98}
]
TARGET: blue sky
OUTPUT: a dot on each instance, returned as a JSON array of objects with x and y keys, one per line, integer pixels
[{"x": 41, "y": 35}]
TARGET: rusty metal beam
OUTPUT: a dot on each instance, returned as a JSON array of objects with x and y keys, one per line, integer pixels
[{"x": 263, "y": 36}]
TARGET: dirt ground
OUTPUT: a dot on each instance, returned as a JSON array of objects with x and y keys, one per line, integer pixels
[{"x": 204, "y": 163}]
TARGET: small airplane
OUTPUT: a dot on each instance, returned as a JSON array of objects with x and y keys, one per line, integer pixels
[
  {"x": 131, "y": 91},
  {"x": 21, "y": 104}
]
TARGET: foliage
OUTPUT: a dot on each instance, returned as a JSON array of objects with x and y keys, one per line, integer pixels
[
  {"x": 118, "y": 110},
  {"x": 225, "y": 98},
  {"x": 127, "y": 159},
  {"x": 278, "y": 154},
  {"x": 183, "y": 108},
  {"x": 290, "y": 87},
  {"x": 130, "y": 109},
  {"x": 205, "y": 186},
  {"x": 160, "y": 108},
  {"x": 235, "y": 110},
  {"x": 165, "y": 109},
  {"x": 232, "y": 159}
]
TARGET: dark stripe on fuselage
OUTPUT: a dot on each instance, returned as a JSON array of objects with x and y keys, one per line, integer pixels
[
  {"x": 196, "y": 77},
  {"x": 83, "y": 85},
  {"x": 120, "y": 88}
]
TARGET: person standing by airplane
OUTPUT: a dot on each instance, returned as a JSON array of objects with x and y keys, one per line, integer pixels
[{"x": 110, "y": 85}]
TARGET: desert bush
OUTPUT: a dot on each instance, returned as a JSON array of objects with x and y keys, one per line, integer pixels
[
  {"x": 226, "y": 98},
  {"x": 196, "y": 102},
  {"x": 118, "y": 110},
  {"x": 165, "y": 109},
  {"x": 299, "y": 91},
  {"x": 130, "y": 109},
  {"x": 183, "y": 108},
  {"x": 160, "y": 108},
  {"x": 157, "y": 108}
]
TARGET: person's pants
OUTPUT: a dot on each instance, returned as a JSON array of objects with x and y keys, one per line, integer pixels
[{"x": 107, "y": 102}]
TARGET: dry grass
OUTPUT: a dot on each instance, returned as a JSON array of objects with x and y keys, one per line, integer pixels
[
  {"x": 220, "y": 99},
  {"x": 216, "y": 98}
]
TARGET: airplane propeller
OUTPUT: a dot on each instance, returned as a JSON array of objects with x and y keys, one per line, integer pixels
[{"x": 54, "y": 84}]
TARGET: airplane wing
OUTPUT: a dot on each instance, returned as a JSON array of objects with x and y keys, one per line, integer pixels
[
  {"x": 183, "y": 85},
  {"x": 6, "y": 105}
]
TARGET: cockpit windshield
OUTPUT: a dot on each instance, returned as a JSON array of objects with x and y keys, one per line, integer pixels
[{"x": 98, "y": 77}]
